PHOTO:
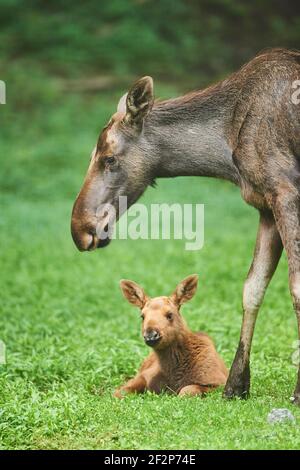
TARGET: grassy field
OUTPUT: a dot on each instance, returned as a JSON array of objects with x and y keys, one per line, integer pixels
[{"x": 70, "y": 336}]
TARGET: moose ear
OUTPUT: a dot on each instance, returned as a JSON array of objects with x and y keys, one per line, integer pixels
[
  {"x": 133, "y": 293},
  {"x": 185, "y": 290},
  {"x": 122, "y": 104},
  {"x": 139, "y": 101}
]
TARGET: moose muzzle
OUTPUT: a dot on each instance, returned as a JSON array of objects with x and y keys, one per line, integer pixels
[{"x": 152, "y": 337}]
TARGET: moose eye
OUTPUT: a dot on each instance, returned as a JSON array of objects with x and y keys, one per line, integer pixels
[
  {"x": 109, "y": 160},
  {"x": 169, "y": 315},
  {"x": 142, "y": 316}
]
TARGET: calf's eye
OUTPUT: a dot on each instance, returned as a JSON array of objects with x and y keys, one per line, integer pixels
[
  {"x": 169, "y": 316},
  {"x": 142, "y": 316}
]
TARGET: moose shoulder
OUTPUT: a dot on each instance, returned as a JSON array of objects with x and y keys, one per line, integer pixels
[{"x": 245, "y": 129}]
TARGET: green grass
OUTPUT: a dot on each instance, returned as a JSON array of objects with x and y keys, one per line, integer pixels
[{"x": 71, "y": 337}]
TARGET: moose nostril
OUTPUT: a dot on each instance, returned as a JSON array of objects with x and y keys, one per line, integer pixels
[
  {"x": 86, "y": 242},
  {"x": 151, "y": 336},
  {"x": 91, "y": 242}
]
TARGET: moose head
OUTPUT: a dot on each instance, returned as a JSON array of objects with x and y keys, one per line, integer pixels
[
  {"x": 119, "y": 167},
  {"x": 162, "y": 323}
]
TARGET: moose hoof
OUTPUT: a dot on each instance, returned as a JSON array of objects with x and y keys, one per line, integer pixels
[
  {"x": 237, "y": 390},
  {"x": 296, "y": 399},
  {"x": 119, "y": 393},
  {"x": 230, "y": 393},
  {"x": 238, "y": 382}
]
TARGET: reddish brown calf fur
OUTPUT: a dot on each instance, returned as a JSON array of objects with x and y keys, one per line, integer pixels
[{"x": 182, "y": 362}]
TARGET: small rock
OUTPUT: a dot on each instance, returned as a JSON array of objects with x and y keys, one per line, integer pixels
[{"x": 280, "y": 415}]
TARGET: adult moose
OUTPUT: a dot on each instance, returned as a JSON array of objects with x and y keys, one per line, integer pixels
[{"x": 245, "y": 129}]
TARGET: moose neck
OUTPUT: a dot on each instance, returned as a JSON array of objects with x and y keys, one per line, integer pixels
[
  {"x": 190, "y": 136},
  {"x": 176, "y": 354}
]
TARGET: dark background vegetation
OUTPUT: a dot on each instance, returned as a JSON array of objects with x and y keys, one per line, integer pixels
[
  {"x": 170, "y": 39},
  {"x": 73, "y": 57},
  {"x": 70, "y": 337}
]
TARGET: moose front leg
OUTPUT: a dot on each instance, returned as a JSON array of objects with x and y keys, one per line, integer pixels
[{"x": 267, "y": 253}]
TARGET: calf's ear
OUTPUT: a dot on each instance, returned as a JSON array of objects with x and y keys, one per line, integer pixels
[
  {"x": 139, "y": 101},
  {"x": 185, "y": 290},
  {"x": 133, "y": 293}
]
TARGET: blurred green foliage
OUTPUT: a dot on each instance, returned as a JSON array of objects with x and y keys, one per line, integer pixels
[
  {"x": 70, "y": 338},
  {"x": 45, "y": 45},
  {"x": 170, "y": 39}
]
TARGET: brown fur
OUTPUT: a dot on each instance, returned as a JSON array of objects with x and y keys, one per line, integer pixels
[
  {"x": 245, "y": 129},
  {"x": 182, "y": 362}
]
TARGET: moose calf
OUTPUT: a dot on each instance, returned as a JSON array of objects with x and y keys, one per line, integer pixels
[{"x": 182, "y": 362}]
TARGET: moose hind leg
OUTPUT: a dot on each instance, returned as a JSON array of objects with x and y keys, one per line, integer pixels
[
  {"x": 295, "y": 291},
  {"x": 286, "y": 209},
  {"x": 267, "y": 253}
]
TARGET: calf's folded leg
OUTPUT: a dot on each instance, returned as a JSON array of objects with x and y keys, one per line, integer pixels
[
  {"x": 193, "y": 390},
  {"x": 135, "y": 385}
]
